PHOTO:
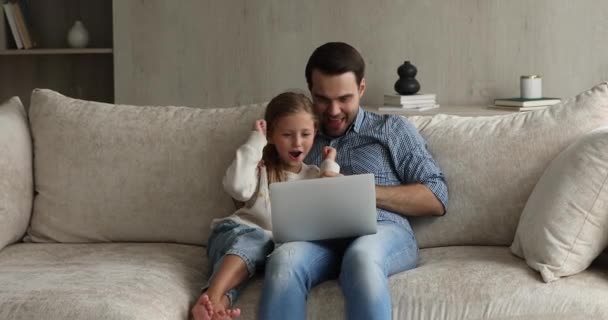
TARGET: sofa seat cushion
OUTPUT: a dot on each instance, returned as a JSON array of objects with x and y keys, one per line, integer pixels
[
  {"x": 99, "y": 281},
  {"x": 470, "y": 283}
]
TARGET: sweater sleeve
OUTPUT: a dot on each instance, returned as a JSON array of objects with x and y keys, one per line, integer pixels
[{"x": 241, "y": 178}]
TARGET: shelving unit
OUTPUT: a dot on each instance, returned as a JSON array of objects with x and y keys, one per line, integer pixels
[{"x": 85, "y": 73}]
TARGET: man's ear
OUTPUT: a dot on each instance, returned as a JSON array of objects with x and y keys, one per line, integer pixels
[{"x": 361, "y": 87}]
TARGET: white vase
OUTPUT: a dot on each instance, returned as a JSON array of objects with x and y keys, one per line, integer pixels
[{"x": 78, "y": 36}]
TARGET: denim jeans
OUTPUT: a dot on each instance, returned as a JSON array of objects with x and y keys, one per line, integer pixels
[
  {"x": 249, "y": 243},
  {"x": 362, "y": 266}
]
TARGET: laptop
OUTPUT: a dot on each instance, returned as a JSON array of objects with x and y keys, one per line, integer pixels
[{"x": 325, "y": 208}]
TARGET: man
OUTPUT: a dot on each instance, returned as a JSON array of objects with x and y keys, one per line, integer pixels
[{"x": 409, "y": 183}]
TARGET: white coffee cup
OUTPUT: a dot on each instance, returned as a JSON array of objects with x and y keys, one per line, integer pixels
[{"x": 531, "y": 87}]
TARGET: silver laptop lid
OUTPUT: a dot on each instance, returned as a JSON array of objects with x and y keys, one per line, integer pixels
[{"x": 325, "y": 208}]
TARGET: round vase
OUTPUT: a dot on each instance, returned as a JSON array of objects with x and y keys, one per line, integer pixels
[
  {"x": 407, "y": 70},
  {"x": 406, "y": 86},
  {"x": 407, "y": 83},
  {"x": 78, "y": 36}
]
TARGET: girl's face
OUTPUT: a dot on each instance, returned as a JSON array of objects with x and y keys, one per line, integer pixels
[{"x": 292, "y": 136}]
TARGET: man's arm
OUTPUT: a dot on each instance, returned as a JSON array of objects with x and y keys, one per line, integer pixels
[
  {"x": 409, "y": 200},
  {"x": 423, "y": 191}
]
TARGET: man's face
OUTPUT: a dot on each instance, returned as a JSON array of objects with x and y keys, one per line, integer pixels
[{"x": 336, "y": 100}]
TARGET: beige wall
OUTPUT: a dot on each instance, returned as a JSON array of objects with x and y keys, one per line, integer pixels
[{"x": 222, "y": 53}]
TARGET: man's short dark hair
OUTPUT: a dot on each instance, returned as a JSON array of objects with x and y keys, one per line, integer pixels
[{"x": 335, "y": 58}]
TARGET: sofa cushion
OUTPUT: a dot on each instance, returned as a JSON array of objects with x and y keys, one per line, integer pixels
[
  {"x": 469, "y": 283},
  {"x": 99, "y": 281},
  {"x": 491, "y": 165},
  {"x": 564, "y": 225},
  {"x": 108, "y": 172},
  {"x": 16, "y": 178}
]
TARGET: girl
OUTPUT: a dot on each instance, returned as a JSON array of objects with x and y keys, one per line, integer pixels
[{"x": 239, "y": 244}]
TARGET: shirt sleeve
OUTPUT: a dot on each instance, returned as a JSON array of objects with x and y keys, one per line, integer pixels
[
  {"x": 413, "y": 162},
  {"x": 241, "y": 178}
]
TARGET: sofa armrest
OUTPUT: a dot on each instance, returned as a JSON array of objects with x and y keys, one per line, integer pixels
[{"x": 16, "y": 175}]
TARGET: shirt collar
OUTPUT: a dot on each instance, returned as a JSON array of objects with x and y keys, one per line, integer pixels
[{"x": 356, "y": 125}]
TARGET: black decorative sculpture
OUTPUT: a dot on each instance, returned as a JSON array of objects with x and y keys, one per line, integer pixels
[{"x": 407, "y": 83}]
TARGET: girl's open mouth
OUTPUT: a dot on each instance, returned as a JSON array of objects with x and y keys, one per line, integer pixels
[{"x": 295, "y": 154}]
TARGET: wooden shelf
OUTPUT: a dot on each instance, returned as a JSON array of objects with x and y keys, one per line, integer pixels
[{"x": 55, "y": 51}]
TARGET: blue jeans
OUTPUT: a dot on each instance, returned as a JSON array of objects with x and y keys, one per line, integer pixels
[
  {"x": 249, "y": 243},
  {"x": 362, "y": 265}
]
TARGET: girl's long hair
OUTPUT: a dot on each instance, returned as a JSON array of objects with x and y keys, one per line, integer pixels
[{"x": 284, "y": 104}]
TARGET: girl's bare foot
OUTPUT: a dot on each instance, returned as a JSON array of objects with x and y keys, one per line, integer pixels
[
  {"x": 208, "y": 308},
  {"x": 227, "y": 314},
  {"x": 203, "y": 309}
]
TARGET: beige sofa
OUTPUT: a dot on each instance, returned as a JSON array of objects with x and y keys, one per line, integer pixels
[{"x": 104, "y": 212}]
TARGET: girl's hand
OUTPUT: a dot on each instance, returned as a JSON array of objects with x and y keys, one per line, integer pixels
[
  {"x": 329, "y": 153},
  {"x": 329, "y": 174},
  {"x": 260, "y": 126}
]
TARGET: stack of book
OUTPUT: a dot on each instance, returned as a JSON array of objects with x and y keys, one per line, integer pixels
[
  {"x": 16, "y": 13},
  {"x": 413, "y": 102},
  {"x": 522, "y": 104}
]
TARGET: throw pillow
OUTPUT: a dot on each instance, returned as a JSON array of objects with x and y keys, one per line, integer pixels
[
  {"x": 564, "y": 225},
  {"x": 16, "y": 177}
]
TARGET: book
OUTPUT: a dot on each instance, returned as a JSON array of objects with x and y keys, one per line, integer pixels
[
  {"x": 410, "y": 102},
  {"x": 10, "y": 17},
  {"x": 400, "y": 109},
  {"x": 25, "y": 12},
  {"x": 521, "y": 102},
  {"x": 520, "y": 109},
  {"x": 2, "y": 29},
  {"x": 411, "y": 105},
  {"x": 22, "y": 26},
  {"x": 400, "y": 99}
]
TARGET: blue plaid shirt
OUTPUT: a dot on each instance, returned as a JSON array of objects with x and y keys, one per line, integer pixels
[{"x": 388, "y": 146}]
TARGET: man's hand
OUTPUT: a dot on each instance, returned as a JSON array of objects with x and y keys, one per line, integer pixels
[
  {"x": 260, "y": 126},
  {"x": 329, "y": 153}
]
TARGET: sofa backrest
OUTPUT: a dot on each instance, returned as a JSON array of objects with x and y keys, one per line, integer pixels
[
  {"x": 491, "y": 165},
  {"x": 16, "y": 179},
  {"x": 133, "y": 173},
  {"x": 108, "y": 172}
]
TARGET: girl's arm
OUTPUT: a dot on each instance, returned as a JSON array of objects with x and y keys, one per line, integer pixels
[{"x": 241, "y": 178}]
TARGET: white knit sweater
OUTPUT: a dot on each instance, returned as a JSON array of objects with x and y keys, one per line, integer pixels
[{"x": 247, "y": 182}]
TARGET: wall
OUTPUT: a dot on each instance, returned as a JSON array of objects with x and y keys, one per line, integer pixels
[{"x": 223, "y": 53}]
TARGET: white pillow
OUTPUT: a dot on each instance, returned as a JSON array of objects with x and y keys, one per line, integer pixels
[
  {"x": 16, "y": 177},
  {"x": 564, "y": 225}
]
